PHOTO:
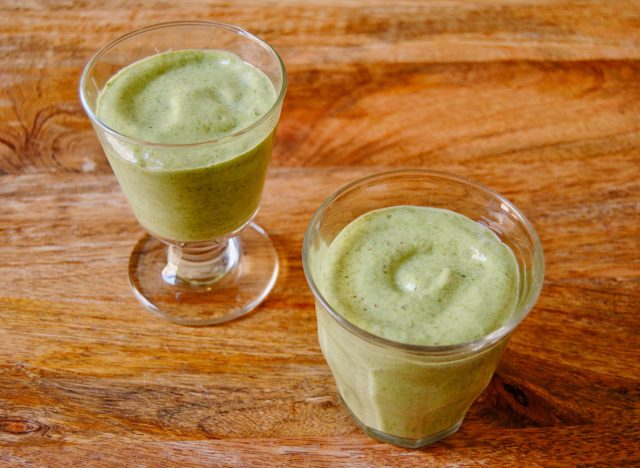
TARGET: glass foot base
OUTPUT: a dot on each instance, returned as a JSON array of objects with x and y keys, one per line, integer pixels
[
  {"x": 403, "y": 441},
  {"x": 236, "y": 293}
]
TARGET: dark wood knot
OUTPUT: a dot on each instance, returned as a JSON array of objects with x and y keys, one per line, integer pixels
[
  {"x": 18, "y": 426},
  {"x": 517, "y": 393}
]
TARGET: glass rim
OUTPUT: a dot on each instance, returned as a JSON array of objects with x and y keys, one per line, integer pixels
[
  {"x": 433, "y": 350},
  {"x": 169, "y": 24}
]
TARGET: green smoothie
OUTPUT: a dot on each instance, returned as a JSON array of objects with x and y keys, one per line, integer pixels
[
  {"x": 201, "y": 190},
  {"x": 419, "y": 276}
]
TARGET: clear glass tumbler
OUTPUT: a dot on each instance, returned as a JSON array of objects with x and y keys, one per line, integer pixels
[
  {"x": 205, "y": 261},
  {"x": 403, "y": 394}
]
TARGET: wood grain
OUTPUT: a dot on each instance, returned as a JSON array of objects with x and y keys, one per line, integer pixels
[
  {"x": 539, "y": 100},
  {"x": 414, "y": 83},
  {"x": 84, "y": 366}
]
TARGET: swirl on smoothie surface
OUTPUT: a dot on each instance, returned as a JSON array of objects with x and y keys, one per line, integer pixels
[{"x": 420, "y": 275}]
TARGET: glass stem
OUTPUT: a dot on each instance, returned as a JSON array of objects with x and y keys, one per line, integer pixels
[{"x": 200, "y": 264}]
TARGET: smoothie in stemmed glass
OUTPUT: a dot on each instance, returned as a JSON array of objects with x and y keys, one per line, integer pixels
[{"x": 186, "y": 113}]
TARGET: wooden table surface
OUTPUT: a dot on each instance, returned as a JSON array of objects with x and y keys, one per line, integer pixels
[{"x": 539, "y": 100}]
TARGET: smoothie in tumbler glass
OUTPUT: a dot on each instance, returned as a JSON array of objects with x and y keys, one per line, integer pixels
[{"x": 421, "y": 276}]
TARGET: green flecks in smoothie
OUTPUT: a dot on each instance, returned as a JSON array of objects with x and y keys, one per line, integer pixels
[
  {"x": 185, "y": 96},
  {"x": 420, "y": 275}
]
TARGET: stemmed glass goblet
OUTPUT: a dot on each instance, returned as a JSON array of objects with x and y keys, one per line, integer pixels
[{"x": 204, "y": 261}]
